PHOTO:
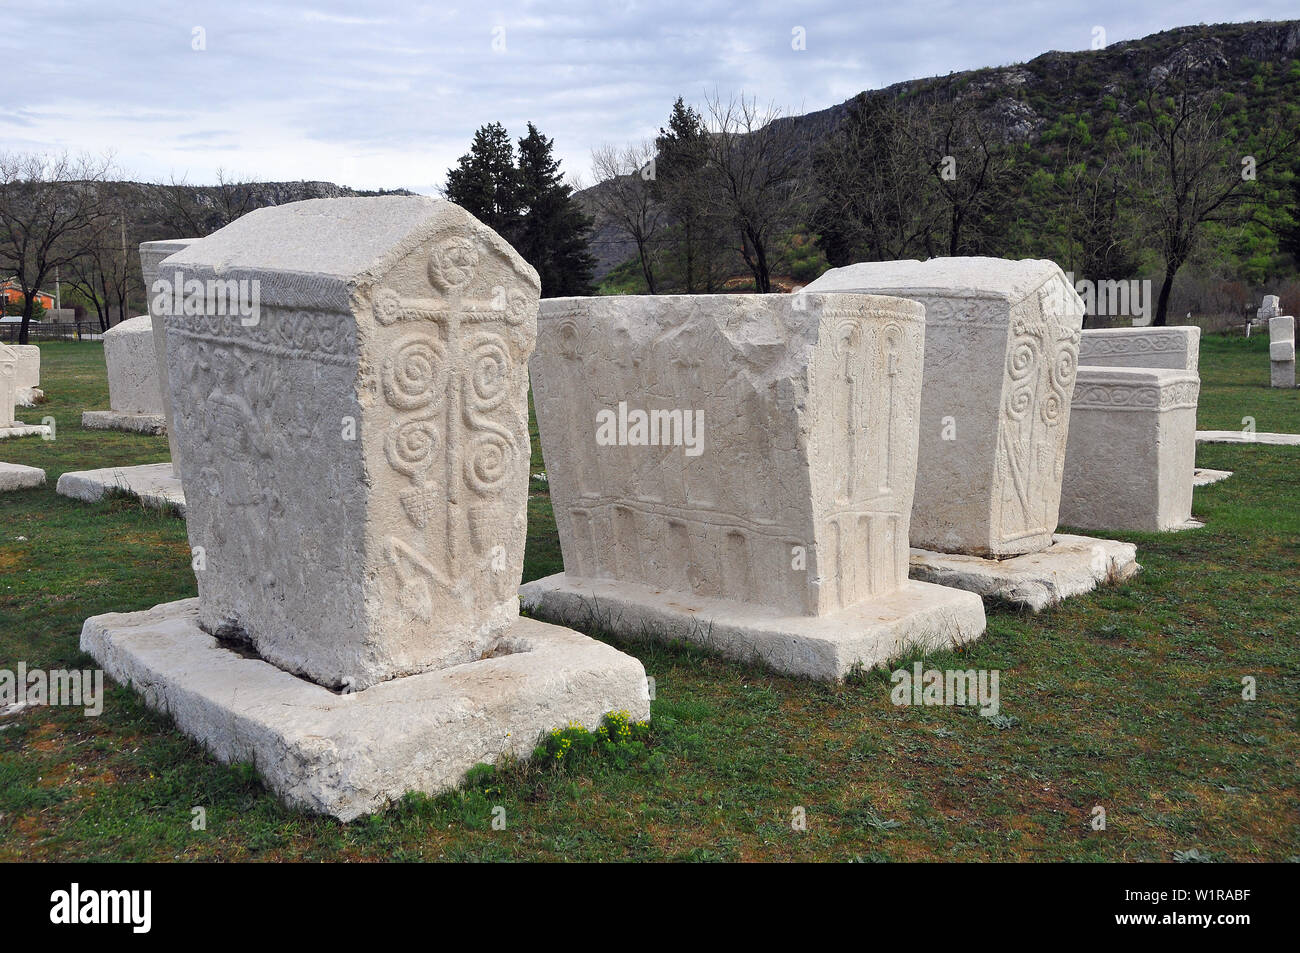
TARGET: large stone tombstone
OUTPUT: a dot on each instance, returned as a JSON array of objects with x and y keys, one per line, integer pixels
[
  {"x": 1132, "y": 453},
  {"x": 739, "y": 469},
  {"x": 1176, "y": 348},
  {"x": 356, "y": 457},
  {"x": 1001, "y": 346},
  {"x": 152, "y": 255},
  {"x": 134, "y": 390},
  {"x": 28, "y": 374}
]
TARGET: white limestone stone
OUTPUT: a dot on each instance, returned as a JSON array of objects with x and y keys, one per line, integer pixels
[
  {"x": 1177, "y": 348},
  {"x": 27, "y": 379},
  {"x": 772, "y": 522},
  {"x": 10, "y": 426},
  {"x": 1247, "y": 436},
  {"x": 351, "y": 754},
  {"x": 1071, "y": 566},
  {"x": 1204, "y": 476},
  {"x": 134, "y": 392},
  {"x": 15, "y": 476},
  {"x": 356, "y": 482},
  {"x": 1132, "y": 449},
  {"x": 154, "y": 484},
  {"x": 152, "y": 256},
  {"x": 1001, "y": 342},
  {"x": 1281, "y": 351},
  {"x": 1270, "y": 308},
  {"x": 357, "y": 459}
]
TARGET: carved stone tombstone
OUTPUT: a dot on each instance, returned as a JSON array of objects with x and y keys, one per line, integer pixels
[
  {"x": 9, "y": 377},
  {"x": 152, "y": 255},
  {"x": 28, "y": 378},
  {"x": 738, "y": 470},
  {"x": 356, "y": 457},
  {"x": 134, "y": 390},
  {"x": 1001, "y": 348},
  {"x": 1176, "y": 348}
]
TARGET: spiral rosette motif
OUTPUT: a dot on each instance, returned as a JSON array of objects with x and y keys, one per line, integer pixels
[
  {"x": 453, "y": 262},
  {"x": 489, "y": 372},
  {"x": 413, "y": 447},
  {"x": 387, "y": 306},
  {"x": 415, "y": 373},
  {"x": 489, "y": 461}
]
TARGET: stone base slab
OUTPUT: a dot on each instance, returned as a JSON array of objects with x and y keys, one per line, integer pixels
[
  {"x": 352, "y": 754},
  {"x": 28, "y": 396},
  {"x": 1204, "y": 476},
  {"x": 828, "y": 648},
  {"x": 15, "y": 476},
  {"x": 154, "y": 483},
  {"x": 113, "y": 420},
  {"x": 20, "y": 429},
  {"x": 1242, "y": 436},
  {"x": 1072, "y": 565}
]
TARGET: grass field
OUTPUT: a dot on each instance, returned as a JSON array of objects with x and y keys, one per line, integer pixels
[{"x": 1129, "y": 699}]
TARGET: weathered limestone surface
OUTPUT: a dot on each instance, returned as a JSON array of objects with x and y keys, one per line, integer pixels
[
  {"x": 9, "y": 425},
  {"x": 1248, "y": 436},
  {"x": 1132, "y": 452},
  {"x": 356, "y": 481},
  {"x": 1071, "y": 566},
  {"x": 133, "y": 386},
  {"x": 1176, "y": 348},
  {"x": 15, "y": 476},
  {"x": 375, "y": 417},
  {"x": 1001, "y": 345},
  {"x": 1281, "y": 351},
  {"x": 133, "y": 389},
  {"x": 27, "y": 380},
  {"x": 763, "y": 508},
  {"x": 352, "y": 754},
  {"x": 1204, "y": 476},
  {"x": 1270, "y": 308},
  {"x": 152, "y": 255},
  {"x": 154, "y": 484}
]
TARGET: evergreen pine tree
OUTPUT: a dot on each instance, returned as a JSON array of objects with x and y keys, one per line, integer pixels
[{"x": 553, "y": 238}]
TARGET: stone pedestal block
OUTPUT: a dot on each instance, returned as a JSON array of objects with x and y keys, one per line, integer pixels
[
  {"x": 1131, "y": 459},
  {"x": 1001, "y": 342}
]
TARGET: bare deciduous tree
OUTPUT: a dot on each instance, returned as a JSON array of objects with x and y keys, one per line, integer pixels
[
  {"x": 49, "y": 206},
  {"x": 756, "y": 163},
  {"x": 1190, "y": 167},
  {"x": 624, "y": 194}
]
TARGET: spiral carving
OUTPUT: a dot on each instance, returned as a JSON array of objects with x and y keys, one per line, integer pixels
[
  {"x": 412, "y": 447},
  {"x": 489, "y": 461},
  {"x": 452, "y": 264},
  {"x": 415, "y": 373},
  {"x": 387, "y": 306},
  {"x": 489, "y": 373}
]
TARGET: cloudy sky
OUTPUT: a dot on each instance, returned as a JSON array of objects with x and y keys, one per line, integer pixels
[{"x": 387, "y": 95}]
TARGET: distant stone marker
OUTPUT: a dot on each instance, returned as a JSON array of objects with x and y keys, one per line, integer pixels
[
  {"x": 738, "y": 470},
  {"x": 10, "y": 426},
  {"x": 1001, "y": 348},
  {"x": 27, "y": 381},
  {"x": 134, "y": 391},
  {"x": 1281, "y": 351},
  {"x": 356, "y": 474}
]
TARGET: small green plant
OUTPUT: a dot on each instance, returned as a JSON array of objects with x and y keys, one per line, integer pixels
[{"x": 617, "y": 737}]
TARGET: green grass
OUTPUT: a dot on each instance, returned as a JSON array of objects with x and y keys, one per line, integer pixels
[{"x": 1128, "y": 698}]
